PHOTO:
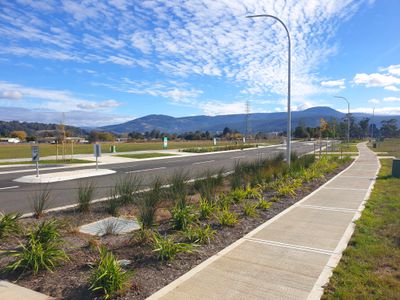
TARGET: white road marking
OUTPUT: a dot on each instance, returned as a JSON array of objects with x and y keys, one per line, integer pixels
[
  {"x": 145, "y": 170},
  {"x": 203, "y": 162},
  {"x": 9, "y": 187},
  {"x": 238, "y": 157}
]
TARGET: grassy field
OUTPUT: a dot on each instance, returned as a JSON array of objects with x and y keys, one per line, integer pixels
[
  {"x": 24, "y": 150},
  {"x": 370, "y": 266},
  {"x": 48, "y": 162},
  {"x": 145, "y": 155},
  {"x": 391, "y": 146},
  {"x": 351, "y": 147}
]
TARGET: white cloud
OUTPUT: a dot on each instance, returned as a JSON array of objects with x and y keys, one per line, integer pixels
[
  {"x": 90, "y": 105},
  {"x": 378, "y": 110},
  {"x": 340, "y": 83},
  {"x": 374, "y": 101},
  {"x": 393, "y": 69},
  {"x": 392, "y": 88},
  {"x": 391, "y": 99},
  {"x": 375, "y": 80},
  {"x": 213, "y": 108},
  {"x": 10, "y": 95}
]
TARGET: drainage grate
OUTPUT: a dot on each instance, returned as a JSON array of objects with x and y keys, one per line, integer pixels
[{"x": 110, "y": 225}]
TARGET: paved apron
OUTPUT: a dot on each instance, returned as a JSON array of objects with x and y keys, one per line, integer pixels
[{"x": 292, "y": 255}]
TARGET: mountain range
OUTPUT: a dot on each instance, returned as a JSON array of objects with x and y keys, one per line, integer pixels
[{"x": 258, "y": 122}]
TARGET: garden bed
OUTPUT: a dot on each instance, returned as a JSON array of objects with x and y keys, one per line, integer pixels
[{"x": 71, "y": 280}]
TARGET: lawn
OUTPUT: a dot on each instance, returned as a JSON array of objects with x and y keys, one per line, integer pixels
[
  {"x": 24, "y": 150},
  {"x": 48, "y": 162},
  {"x": 145, "y": 155},
  {"x": 391, "y": 146},
  {"x": 370, "y": 266}
]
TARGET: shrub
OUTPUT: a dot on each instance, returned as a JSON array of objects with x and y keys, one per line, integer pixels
[
  {"x": 199, "y": 234},
  {"x": 42, "y": 250},
  {"x": 286, "y": 190},
  {"x": 108, "y": 278},
  {"x": 250, "y": 209},
  {"x": 85, "y": 194},
  {"x": 148, "y": 204},
  {"x": 206, "y": 208},
  {"x": 237, "y": 195},
  {"x": 9, "y": 224},
  {"x": 41, "y": 201},
  {"x": 226, "y": 217},
  {"x": 263, "y": 204},
  {"x": 182, "y": 217},
  {"x": 127, "y": 188},
  {"x": 224, "y": 201},
  {"x": 253, "y": 193},
  {"x": 167, "y": 248},
  {"x": 179, "y": 188}
]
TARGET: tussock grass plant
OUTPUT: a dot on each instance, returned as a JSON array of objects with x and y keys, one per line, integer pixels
[
  {"x": 208, "y": 185},
  {"x": 250, "y": 209},
  {"x": 41, "y": 201},
  {"x": 263, "y": 204},
  {"x": 9, "y": 224},
  {"x": 226, "y": 218},
  {"x": 148, "y": 203},
  {"x": 286, "y": 190},
  {"x": 223, "y": 201},
  {"x": 42, "y": 250},
  {"x": 199, "y": 234},
  {"x": 85, "y": 195},
  {"x": 166, "y": 248},
  {"x": 206, "y": 208},
  {"x": 179, "y": 188},
  {"x": 110, "y": 227},
  {"x": 113, "y": 203},
  {"x": 127, "y": 187},
  {"x": 108, "y": 278},
  {"x": 237, "y": 195},
  {"x": 182, "y": 217}
]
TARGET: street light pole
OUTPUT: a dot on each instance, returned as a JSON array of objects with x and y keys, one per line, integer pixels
[
  {"x": 348, "y": 117},
  {"x": 289, "y": 117}
]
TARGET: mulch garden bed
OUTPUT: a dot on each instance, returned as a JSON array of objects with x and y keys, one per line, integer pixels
[{"x": 70, "y": 280}]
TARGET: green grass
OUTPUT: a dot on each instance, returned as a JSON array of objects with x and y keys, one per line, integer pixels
[
  {"x": 145, "y": 155},
  {"x": 48, "y": 162},
  {"x": 24, "y": 150},
  {"x": 391, "y": 146},
  {"x": 370, "y": 266},
  {"x": 351, "y": 147}
]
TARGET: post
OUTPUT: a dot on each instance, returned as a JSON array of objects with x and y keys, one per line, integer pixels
[
  {"x": 320, "y": 148},
  {"x": 314, "y": 149},
  {"x": 289, "y": 117},
  {"x": 72, "y": 150},
  {"x": 97, "y": 153},
  {"x": 37, "y": 169},
  {"x": 35, "y": 158},
  {"x": 348, "y": 117}
]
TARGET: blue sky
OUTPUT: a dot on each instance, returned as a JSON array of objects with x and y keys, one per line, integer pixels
[{"x": 105, "y": 62}]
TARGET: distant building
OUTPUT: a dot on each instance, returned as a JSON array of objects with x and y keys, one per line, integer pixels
[{"x": 10, "y": 140}]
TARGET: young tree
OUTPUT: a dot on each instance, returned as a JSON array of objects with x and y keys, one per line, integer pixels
[{"x": 19, "y": 134}]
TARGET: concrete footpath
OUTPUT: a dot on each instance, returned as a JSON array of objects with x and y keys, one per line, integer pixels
[{"x": 292, "y": 255}]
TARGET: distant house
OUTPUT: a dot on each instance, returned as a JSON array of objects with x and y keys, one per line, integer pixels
[{"x": 10, "y": 140}]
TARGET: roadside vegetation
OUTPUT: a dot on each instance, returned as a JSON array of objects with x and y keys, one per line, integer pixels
[
  {"x": 145, "y": 155},
  {"x": 182, "y": 222},
  {"x": 390, "y": 146},
  {"x": 369, "y": 268}
]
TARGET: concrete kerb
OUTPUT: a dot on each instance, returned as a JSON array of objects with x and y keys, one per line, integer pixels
[
  {"x": 163, "y": 291},
  {"x": 326, "y": 273}
]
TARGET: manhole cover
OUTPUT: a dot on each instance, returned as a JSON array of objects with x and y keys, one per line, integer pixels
[{"x": 111, "y": 225}]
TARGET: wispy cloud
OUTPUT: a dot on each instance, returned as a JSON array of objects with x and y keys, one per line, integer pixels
[
  {"x": 183, "y": 38},
  {"x": 340, "y": 83}
]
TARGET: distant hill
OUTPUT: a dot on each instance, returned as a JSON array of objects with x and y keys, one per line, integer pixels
[
  {"x": 33, "y": 129},
  {"x": 264, "y": 122}
]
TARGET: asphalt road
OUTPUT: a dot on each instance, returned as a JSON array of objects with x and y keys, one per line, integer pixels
[{"x": 17, "y": 197}]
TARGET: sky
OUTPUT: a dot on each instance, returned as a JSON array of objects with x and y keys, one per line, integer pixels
[{"x": 95, "y": 62}]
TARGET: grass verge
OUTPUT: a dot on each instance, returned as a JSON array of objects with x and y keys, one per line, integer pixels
[
  {"x": 145, "y": 155},
  {"x": 370, "y": 266},
  {"x": 391, "y": 146},
  {"x": 48, "y": 162}
]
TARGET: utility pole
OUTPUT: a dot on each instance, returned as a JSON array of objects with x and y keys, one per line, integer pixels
[{"x": 247, "y": 130}]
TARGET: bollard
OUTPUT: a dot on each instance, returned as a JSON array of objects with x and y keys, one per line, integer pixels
[{"x": 396, "y": 167}]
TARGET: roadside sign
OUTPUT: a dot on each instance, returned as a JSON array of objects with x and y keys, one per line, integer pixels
[
  {"x": 97, "y": 150},
  {"x": 215, "y": 141},
  {"x": 97, "y": 154},
  {"x": 35, "y": 158},
  {"x": 165, "y": 144},
  {"x": 35, "y": 153}
]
